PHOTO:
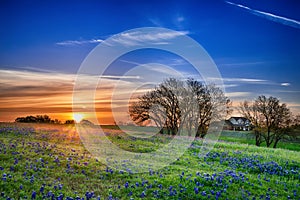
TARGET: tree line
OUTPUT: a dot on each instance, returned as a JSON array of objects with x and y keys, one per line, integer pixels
[{"x": 41, "y": 119}]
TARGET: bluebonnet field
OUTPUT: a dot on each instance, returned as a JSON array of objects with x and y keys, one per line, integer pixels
[{"x": 49, "y": 162}]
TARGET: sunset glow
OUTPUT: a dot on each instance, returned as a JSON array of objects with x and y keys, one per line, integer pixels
[{"x": 77, "y": 117}]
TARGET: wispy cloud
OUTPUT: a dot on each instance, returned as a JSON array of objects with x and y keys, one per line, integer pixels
[
  {"x": 155, "y": 73},
  {"x": 164, "y": 71},
  {"x": 78, "y": 42},
  {"x": 272, "y": 17},
  {"x": 242, "y": 64},
  {"x": 131, "y": 62},
  {"x": 139, "y": 37},
  {"x": 130, "y": 39},
  {"x": 288, "y": 91},
  {"x": 247, "y": 80},
  {"x": 240, "y": 80},
  {"x": 180, "y": 19},
  {"x": 169, "y": 62},
  {"x": 25, "y": 92},
  {"x": 238, "y": 94},
  {"x": 156, "y": 22},
  {"x": 285, "y": 84}
]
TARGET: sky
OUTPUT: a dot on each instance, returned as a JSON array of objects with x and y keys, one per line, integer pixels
[{"x": 254, "y": 44}]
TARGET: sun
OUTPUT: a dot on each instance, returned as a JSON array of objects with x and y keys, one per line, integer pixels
[{"x": 77, "y": 117}]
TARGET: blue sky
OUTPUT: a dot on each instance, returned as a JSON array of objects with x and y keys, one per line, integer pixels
[{"x": 255, "y": 44}]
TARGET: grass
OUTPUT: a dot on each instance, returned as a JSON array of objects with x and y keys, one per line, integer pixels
[
  {"x": 49, "y": 161},
  {"x": 246, "y": 137}
]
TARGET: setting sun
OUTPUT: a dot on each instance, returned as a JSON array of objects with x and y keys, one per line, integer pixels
[{"x": 77, "y": 117}]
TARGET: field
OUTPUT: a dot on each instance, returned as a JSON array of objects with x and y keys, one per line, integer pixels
[{"x": 50, "y": 162}]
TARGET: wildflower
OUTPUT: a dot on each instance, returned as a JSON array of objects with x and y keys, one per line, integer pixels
[
  {"x": 33, "y": 195},
  {"x": 196, "y": 190},
  {"x": 126, "y": 185}
]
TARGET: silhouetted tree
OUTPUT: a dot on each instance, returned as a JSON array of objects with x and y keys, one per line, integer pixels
[
  {"x": 250, "y": 111},
  {"x": 271, "y": 119},
  {"x": 211, "y": 104},
  {"x": 70, "y": 121},
  {"x": 175, "y": 103},
  {"x": 37, "y": 119}
]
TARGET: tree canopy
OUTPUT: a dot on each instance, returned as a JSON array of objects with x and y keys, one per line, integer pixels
[
  {"x": 37, "y": 119},
  {"x": 175, "y": 103},
  {"x": 272, "y": 119}
]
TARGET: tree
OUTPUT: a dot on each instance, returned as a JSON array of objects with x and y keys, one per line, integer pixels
[
  {"x": 160, "y": 105},
  {"x": 213, "y": 105},
  {"x": 250, "y": 112},
  {"x": 27, "y": 119},
  {"x": 271, "y": 119},
  {"x": 37, "y": 119},
  {"x": 295, "y": 128},
  {"x": 174, "y": 104},
  {"x": 70, "y": 121}
]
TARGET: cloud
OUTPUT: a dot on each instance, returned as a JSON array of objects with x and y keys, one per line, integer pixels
[
  {"x": 230, "y": 85},
  {"x": 78, "y": 42},
  {"x": 240, "y": 80},
  {"x": 156, "y": 22},
  {"x": 248, "y": 80},
  {"x": 131, "y": 62},
  {"x": 130, "y": 39},
  {"x": 238, "y": 94},
  {"x": 288, "y": 91},
  {"x": 285, "y": 84},
  {"x": 39, "y": 92},
  {"x": 139, "y": 37},
  {"x": 242, "y": 64},
  {"x": 169, "y": 62},
  {"x": 275, "y": 18},
  {"x": 180, "y": 19},
  {"x": 163, "y": 71}
]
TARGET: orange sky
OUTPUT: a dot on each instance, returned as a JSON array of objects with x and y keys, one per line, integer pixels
[{"x": 31, "y": 93}]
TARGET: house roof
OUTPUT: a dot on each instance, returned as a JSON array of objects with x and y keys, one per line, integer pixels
[
  {"x": 237, "y": 118},
  {"x": 228, "y": 122}
]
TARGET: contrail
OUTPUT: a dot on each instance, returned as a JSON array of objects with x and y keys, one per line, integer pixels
[{"x": 270, "y": 16}]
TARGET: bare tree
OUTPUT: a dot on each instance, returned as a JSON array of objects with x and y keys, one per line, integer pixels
[
  {"x": 250, "y": 112},
  {"x": 176, "y": 103},
  {"x": 140, "y": 111},
  {"x": 160, "y": 105},
  {"x": 271, "y": 119},
  {"x": 213, "y": 105},
  {"x": 293, "y": 129}
]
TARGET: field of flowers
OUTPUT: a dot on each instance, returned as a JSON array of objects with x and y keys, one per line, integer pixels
[{"x": 49, "y": 162}]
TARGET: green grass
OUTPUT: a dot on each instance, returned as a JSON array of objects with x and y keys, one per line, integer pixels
[
  {"x": 246, "y": 137},
  {"x": 54, "y": 156}
]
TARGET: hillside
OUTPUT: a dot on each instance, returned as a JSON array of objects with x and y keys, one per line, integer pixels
[{"x": 49, "y": 161}]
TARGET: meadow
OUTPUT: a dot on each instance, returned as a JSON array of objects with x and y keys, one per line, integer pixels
[{"x": 40, "y": 161}]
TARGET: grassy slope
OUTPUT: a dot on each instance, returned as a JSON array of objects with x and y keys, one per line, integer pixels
[
  {"x": 246, "y": 137},
  {"x": 53, "y": 158}
]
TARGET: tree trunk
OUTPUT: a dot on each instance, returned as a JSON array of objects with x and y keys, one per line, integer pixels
[
  {"x": 275, "y": 143},
  {"x": 201, "y": 131},
  {"x": 257, "y": 139}
]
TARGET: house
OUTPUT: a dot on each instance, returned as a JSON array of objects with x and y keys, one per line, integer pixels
[{"x": 238, "y": 124}]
